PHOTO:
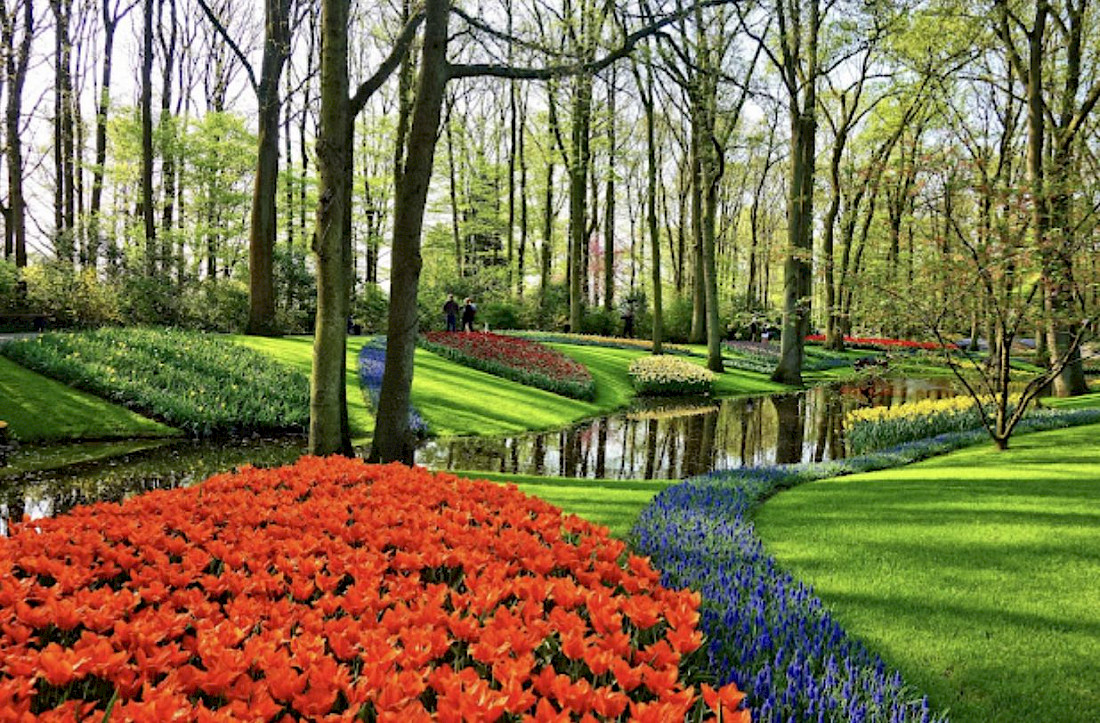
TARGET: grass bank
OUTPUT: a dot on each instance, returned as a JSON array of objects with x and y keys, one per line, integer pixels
[
  {"x": 976, "y": 573},
  {"x": 297, "y": 352},
  {"x": 39, "y": 409},
  {"x": 613, "y": 503}
]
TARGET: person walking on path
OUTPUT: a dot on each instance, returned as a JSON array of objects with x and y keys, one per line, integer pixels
[
  {"x": 469, "y": 310},
  {"x": 451, "y": 310}
]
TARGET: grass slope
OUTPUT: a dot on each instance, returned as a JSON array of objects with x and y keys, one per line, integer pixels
[
  {"x": 39, "y": 409},
  {"x": 976, "y": 573},
  {"x": 297, "y": 352},
  {"x": 613, "y": 503},
  {"x": 458, "y": 400}
]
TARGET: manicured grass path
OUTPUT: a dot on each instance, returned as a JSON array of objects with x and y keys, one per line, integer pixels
[
  {"x": 39, "y": 409},
  {"x": 612, "y": 503},
  {"x": 976, "y": 573}
]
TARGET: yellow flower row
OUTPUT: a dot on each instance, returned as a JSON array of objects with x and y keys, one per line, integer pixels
[
  {"x": 665, "y": 369},
  {"x": 923, "y": 408}
]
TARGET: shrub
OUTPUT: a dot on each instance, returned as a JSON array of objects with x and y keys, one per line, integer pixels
[
  {"x": 370, "y": 309},
  {"x": 216, "y": 305},
  {"x": 9, "y": 286},
  {"x": 669, "y": 375},
  {"x": 600, "y": 322},
  {"x": 71, "y": 298},
  {"x": 336, "y": 587},
  {"x": 511, "y": 357},
  {"x": 201, "y": 384}
]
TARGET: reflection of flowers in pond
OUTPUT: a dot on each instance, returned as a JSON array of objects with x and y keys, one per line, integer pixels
[
  {"x": 663, "y": 412},
  {"x": 332, "y": 587},
  {"x": 669, "y": 375}
]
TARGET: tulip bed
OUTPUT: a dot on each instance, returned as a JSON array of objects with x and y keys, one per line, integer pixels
[
  {"x": 372, "y": 364},
  {"x": 669, "y": 375},
  {"x": 521, "y": 360},
  {"x": 860, "y": 342},
  {"x": 610, "y": 342},
  {"x": 195, "y": 382},
  {"x": 767, "y": 632},
  {"x": 336, "y": 590}
]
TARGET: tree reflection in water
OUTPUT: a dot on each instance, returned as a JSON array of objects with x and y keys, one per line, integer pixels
[{"x": 673, "y": 440}]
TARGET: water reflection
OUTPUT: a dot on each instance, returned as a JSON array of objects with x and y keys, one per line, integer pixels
[
  {"x": 102, "y": 477},
  {"x": 671, "y": 440}
]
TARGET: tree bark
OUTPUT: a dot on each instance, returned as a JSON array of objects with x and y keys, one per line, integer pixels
[
  {"x": 609, "y": 204},
  {"x": 578, "y": 189},
  {"x": 147, "y": 142},
  {"x": 17, "y": 63},
  {"x": 263, "y": 222},
  {"x": 797, "y": 280},
  {"x": 328, "y": 429},
  {"x": 393, "y": 439}
]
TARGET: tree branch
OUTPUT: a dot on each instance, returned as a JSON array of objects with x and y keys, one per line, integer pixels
[
  {"x": 221, "y": 30},
  {"x": 492, "y": 70},
  {"x": 400, "y": 47}
]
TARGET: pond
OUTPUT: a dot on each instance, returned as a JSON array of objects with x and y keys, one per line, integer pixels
[
  {"x": 653, "y": 440},
  {"x": 75, "y": 474},
  {"x": 672, "y": 440}
]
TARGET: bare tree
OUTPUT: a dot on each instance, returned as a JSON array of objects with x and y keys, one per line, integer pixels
[{"x": 17, "y": 26}]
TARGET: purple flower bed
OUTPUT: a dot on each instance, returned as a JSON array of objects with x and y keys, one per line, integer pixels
[
  {"x": 766, "y": 631},
  {"x": 372, "y": 363}
]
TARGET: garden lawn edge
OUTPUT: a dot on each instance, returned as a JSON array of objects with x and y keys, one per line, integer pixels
[
  {"x": 40, "y": 409},
  {"x": 700, "y": 534},
  {"x": 972, "y": 572}
]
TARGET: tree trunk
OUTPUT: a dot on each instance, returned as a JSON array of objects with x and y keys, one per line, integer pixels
[
  {"x": 263, "y": 225},
  {"x": 796, "y": 270},
  {"x": 646, "y": 95},
  {"x": 147, "y": 142},
  {"x": 166, "y": 124},
  {"x": 609, "y": 204},
  {"x": 521, "y": 251},
  {"x": 328, "y": 430},
  {"x": 452, "y": 179},
  {"x": 393, "y": 439},
  {"x": 578, "y": 189},
  {"x": 698, "y": 286},
  {"x": 17, "y": 63}
]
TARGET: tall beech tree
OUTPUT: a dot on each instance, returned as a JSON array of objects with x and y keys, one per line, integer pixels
[
  {"x": 393, "y": 439},
  {"x": 112, "y": 15},
  {"x": 795, "y": 55},
  {"x": 1059, "y": 111},
  {"x": 147, "y": 210},
  {"x": 263, "y": 218},
  {"x": 17, "y": 30}
]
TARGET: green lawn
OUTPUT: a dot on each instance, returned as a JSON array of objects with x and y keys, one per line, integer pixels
[
  {"x": 976, "y": 573},
  {"x": 454, "y": 399},
  {"x": 297, "y": 352},
  {"x": 1085, "y": 401},
  {"x": 457, "y": 400},
  {"x": 614, "y": 503},
  {"x": 39, "y": 409}
]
